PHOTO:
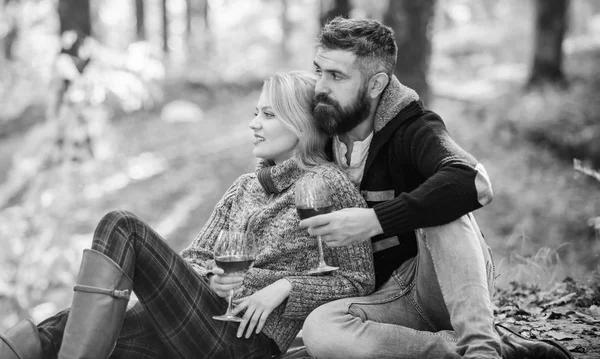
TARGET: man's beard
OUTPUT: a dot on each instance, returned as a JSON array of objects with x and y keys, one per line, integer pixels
[{"x": 332, "y": 119}]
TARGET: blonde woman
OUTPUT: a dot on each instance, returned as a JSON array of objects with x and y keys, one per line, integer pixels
[{"x": 179, "y": 293}]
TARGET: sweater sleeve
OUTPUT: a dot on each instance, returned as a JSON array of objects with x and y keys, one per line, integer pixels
[
  {"x": 199, "y": 254},
  {"x": 455, "y": 183},
  {"x": 355, "y": 276}
]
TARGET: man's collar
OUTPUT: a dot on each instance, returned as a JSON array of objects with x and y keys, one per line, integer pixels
[{"x": 395, "y": 97}]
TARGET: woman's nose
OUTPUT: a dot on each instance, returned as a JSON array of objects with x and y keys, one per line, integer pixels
[{"x": 254, "y": 124}]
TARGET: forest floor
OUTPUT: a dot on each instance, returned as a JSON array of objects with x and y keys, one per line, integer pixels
[{"x": 568, "y": 313}]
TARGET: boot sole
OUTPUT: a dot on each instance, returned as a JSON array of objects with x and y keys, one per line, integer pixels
[{"x": 547, "y": 341}]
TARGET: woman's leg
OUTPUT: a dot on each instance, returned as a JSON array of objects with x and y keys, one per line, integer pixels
[
  {"x": 137, "y": 338},
  {"x": 178, "y": 302}
]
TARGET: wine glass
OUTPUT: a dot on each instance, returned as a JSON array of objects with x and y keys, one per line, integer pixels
[
  {"x": 313, "y": 197},
  {"x": 234, "y": 253}
]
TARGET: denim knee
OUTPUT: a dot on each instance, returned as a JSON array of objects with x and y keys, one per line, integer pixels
[
  {"x": 315, "y": 332},
  {"x": 324, "y": 331}
]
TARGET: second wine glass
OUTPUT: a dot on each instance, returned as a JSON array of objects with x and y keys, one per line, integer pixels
[
  {"x": 313, "y": 197},
  {"x": 234, "y": 253}
]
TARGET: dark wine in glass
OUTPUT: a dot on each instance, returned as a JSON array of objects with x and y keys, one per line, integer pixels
[
  {"x": 234, "y": 253},
  {"x": 313, "y": 197},
  {"x": 307, "y": 212},
  {"x": 234, "y": 264}
]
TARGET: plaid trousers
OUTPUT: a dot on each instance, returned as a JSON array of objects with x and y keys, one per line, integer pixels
[{"x": 173, "y": 317}]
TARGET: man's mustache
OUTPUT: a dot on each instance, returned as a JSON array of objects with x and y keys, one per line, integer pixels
[{"x": 322, "y": 98}]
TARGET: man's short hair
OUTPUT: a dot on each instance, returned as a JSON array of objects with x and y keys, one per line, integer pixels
[{"x": 372, "y": 42}]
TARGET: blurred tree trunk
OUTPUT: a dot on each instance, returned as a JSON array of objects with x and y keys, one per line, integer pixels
[
  {"x": 13, "y": 31},
  {"x": 75, "y": 15},
  {"x": 10, "y": 36},
  {"x": 140, "y": 23},
  {"x": 203, "y": 8},
  {"x": 165, "y": 26},
  {"x": 188, "y": 18},
  {"x": 333, "y": 8},
  {"x": 411, "y": 21},
  {"x": 9, "y": 41},
  {"x": 550, "y": 27},
  {"x": 286, "y": 26}
]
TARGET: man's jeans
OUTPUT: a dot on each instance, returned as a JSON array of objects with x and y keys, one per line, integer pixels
[{"x": 436, "y": 305}]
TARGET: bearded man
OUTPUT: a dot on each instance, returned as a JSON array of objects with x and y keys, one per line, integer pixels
[{"x": 434, "y": 271}]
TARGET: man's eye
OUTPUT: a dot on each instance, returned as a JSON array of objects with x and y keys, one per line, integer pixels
[
  {"x": 318, "y": 72},
  {"x": 255, "y": 113},
  {"x": 336, "y": 77}
]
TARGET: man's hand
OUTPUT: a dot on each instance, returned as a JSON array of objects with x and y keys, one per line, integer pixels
[
  {"x": 259, "y": 305},
  {"x": 222, "y": 284},
  {"x": 344, "y": 227}
]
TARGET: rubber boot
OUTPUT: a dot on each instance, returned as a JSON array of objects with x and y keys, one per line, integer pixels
[
  {"x": 98, "y": 308},
  {"x": 21, "y": 342}
]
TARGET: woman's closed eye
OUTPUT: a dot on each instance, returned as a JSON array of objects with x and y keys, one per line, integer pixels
[{"x": 266, "y": 114}]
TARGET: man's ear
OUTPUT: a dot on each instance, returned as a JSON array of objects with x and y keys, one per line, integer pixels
[{"x": 377, "y": 84}]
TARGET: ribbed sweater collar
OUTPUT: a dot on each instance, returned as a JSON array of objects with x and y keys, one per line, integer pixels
[
  {"x": 275, "y": 179},
  {"x": 394, "y": 99}
]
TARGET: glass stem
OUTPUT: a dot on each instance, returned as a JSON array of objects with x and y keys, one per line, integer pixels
[
  {"x": 321, "y": 258},
  {"x": 229, "y": 310}
]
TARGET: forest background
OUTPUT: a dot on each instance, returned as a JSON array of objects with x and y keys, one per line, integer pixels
[{"x": 166, "y": 100}]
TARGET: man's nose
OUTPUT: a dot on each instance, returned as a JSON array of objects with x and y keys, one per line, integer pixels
[{"x": 321, "y": 87}]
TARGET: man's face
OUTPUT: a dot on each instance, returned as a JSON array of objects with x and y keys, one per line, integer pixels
[{"x": 341, "y": 100}]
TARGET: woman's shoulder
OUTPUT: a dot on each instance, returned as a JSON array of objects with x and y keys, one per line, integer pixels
[
  {"x": 243, "y": 180},
  {"x": 345, "y": 194},
  {"x": 332, "y": 173}
]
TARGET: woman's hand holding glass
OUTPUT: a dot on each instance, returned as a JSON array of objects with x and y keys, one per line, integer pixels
[
  {"x": 234, "y": 254},
  {"x": 223, "y": 284}
]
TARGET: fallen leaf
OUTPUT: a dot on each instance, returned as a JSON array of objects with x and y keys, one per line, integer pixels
[{"x": 560, "y": 335}]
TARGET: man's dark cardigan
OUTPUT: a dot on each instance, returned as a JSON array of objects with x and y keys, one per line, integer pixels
[{"x": 415, "y": 176}]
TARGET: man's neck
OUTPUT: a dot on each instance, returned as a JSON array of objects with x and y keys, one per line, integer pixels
[
  {"x": 363, "y": 129},
  {"x": 358, "y": 133}
]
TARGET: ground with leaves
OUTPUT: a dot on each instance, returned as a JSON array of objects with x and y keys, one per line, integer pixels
[{"x": 568, "y": 313}]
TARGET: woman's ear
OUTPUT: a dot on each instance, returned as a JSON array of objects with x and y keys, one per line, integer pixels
[{"x": 377, "y": 84}]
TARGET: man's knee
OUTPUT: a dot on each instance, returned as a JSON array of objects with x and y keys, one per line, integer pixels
[{"x": 322, "y": 333}]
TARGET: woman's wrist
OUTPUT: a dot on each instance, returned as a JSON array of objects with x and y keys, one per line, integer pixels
[{"x": 285, "y": 285}]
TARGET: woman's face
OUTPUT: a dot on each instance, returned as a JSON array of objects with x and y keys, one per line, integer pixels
[{"x": 272, "y": 139}]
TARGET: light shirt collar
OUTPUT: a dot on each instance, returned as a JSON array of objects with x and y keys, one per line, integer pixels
[{"x": 358, "y": 158}]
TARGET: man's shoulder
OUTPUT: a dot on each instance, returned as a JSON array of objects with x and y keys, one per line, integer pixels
[{"x": 415, "y": 120}]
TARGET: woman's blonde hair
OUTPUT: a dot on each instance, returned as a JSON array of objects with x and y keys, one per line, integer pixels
[{"x": 291, "y": 95}]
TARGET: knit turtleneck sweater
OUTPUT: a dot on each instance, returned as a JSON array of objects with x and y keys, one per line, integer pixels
[{"x": 263, "y": 203}]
